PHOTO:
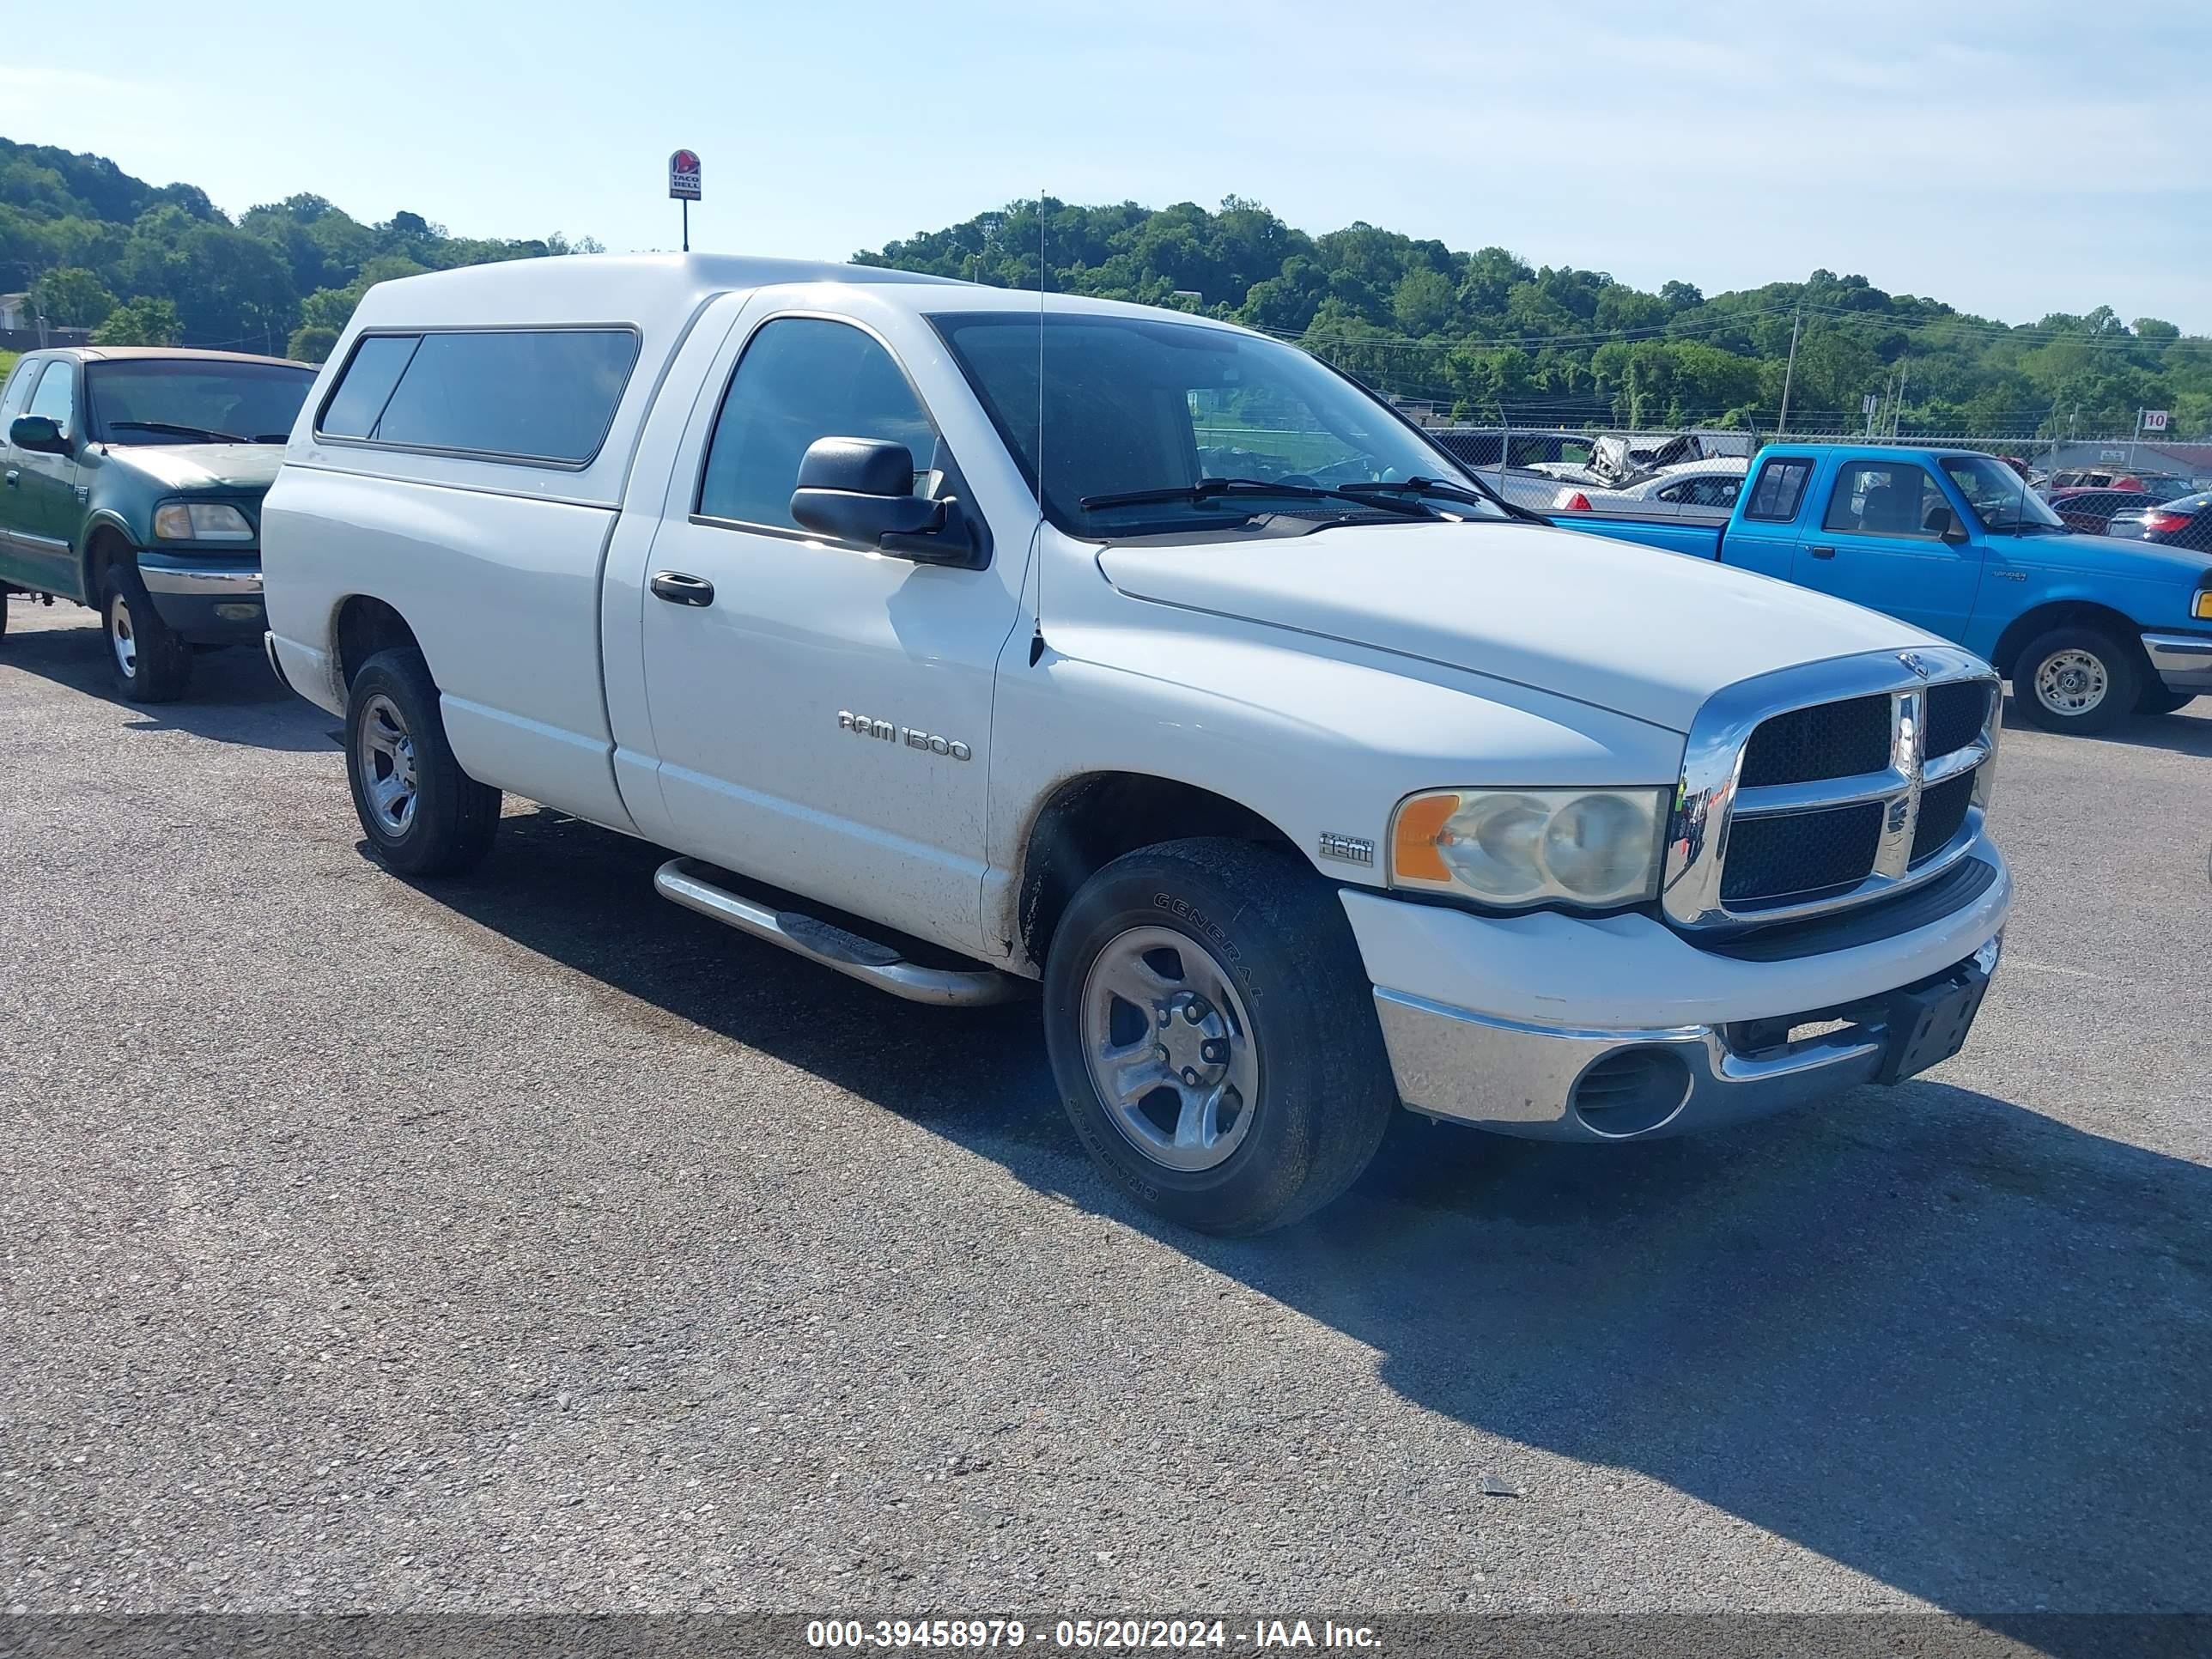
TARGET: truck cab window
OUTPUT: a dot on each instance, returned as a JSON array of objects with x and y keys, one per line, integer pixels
[
  {"x": 1883, "y": 498},
  {"x": 56, "y": 397},
  {"x": 803, "y": 378},
  {"x": 12, "y": 396},
  {"x": 1781, "y": 486}
]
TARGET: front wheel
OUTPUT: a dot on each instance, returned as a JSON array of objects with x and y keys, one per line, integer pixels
[
  {"x": 2157, "y": 700},
  {"x": 149, "y": 661},
  {"x": 1213, "y": 1034},
  {"x": 2075, "y": 679},
  {"x": 423, "y": 815}
]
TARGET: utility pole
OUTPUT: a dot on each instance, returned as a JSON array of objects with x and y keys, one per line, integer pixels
[
  {"x": 1789, "y": 373},
  {"x": 1897, "y": 407}
]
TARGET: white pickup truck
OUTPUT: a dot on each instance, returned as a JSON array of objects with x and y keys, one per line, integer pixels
[{"x": 961, "y": 641}]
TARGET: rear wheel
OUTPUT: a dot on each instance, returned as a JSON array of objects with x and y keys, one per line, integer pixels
[
  {"x": 148, "y": 662},
  {"x": 423, "y": 815},
  {"x": 1213, "y": 1036},
  {"x": 2157, "y": 700},
  {"x": 2077, "y": 678}
]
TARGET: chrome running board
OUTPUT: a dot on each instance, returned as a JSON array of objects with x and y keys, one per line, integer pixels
[{"x": 867, "y": 960}]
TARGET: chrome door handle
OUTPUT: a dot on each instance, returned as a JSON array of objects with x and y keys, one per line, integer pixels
[
  {"x": 679, "y": 588},
  {"x": 1822, "y": 552}
]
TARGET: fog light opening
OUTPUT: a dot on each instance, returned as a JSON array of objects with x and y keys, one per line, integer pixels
[{"x": 1632, "y": 1092}]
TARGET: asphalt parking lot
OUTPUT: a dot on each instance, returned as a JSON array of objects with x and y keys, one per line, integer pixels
[{"x": 527, "y": 1242}]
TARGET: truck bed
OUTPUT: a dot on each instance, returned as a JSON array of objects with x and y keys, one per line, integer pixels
[{"x": 1697, "y": 538}]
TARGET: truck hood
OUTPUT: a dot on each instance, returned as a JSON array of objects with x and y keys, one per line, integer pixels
[
  {"x": 1641, "y": 633},
  {"x": 2082, "y": 553},
  {"x": 194, "y": 467}
]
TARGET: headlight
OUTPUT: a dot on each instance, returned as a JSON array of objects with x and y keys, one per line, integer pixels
[
  {"x": 201, "y": 521},
  {"x": 1526, "y": 847}
]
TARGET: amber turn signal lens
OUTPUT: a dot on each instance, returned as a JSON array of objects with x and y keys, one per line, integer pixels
[{"x": 1413, "y": 845}]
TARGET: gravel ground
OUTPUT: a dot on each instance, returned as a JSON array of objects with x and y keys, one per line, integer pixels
[{"x": 530, "y": 1243}]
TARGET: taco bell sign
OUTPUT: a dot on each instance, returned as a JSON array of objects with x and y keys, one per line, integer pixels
[{"x": 684, "y": 176}]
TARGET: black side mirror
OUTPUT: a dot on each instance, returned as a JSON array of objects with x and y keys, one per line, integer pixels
[
  {"x": 1945, "y": 522},
  {"x": 39, "y": 433},
  {"x": 861, "y": 489}
]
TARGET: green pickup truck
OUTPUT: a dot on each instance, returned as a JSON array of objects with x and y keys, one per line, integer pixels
[{"x": 132, "y": 479}]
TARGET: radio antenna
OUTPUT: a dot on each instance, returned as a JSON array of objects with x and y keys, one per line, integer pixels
[{"x": 1036, "y": 639}]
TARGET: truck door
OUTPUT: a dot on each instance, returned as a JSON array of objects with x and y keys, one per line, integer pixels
[
  {"x": 821, "y": 713},
  {"x": 1878, "y": 542},
  {"x": 38, "y": 507},
  {"x": 1763, "y": 534}
]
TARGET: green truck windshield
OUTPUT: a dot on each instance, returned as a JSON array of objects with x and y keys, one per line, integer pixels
[{"x": 157, "y": 401}]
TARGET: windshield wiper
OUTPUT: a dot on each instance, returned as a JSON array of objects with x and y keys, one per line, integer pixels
[
  {"x": 206, "y": 434},
  {"x": 1478, "y": 494},
  {"x": 1206, "y": 489}
]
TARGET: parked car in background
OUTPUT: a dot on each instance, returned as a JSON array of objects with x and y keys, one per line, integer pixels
[
  {"x": 2184, "y": 522},
  {"x": 900, "y": 610},
  {"x": 2089, "y": 629},
  {"x": 2159, "y": 486},
  {"x": 2090, "y": 510},
  {"x": 1694, "y": 487},
  {"x": 132, "y": 480}
]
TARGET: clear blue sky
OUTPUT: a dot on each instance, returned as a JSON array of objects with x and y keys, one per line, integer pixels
[{"x": 2012, "y": 159}]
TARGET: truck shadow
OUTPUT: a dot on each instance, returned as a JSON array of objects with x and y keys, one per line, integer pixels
[
  {"x": 2187, "y": 731},
  {"x": 1949, "y": 1343},
  {"x": 233, "y": 696}
]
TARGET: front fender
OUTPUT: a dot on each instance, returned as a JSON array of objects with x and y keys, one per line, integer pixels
[
  {"x": 2043, "y": 591},
  {"x": 108, "y": 520},
  {"x": 1322, "y": 743}
]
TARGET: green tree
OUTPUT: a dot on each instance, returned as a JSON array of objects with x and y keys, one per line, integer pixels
[
  {"x": 311, "y": 344},
  {"x": 1423, "y": 302},
  {"x": 141, "y": 323},
  {"x": 70, "y": 296}
]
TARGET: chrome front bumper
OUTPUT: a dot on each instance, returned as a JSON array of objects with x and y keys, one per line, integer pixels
[
  {"x": 2183, "y": 661},
  {"x": 1555, "y": 1082},
  {"x": 212, "y": 581}
]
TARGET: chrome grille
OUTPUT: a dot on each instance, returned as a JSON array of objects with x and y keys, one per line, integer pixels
[
  {"x": 1828, "y": 740},
  {"x": 1942, "y": 809},
  {"x": 1836, "y": 784},
  {"x": 1956, "y": 714},
  {"x": 1805, "y": 853}
]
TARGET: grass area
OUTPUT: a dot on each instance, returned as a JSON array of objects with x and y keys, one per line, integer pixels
[{"x": 8, "y": 363}]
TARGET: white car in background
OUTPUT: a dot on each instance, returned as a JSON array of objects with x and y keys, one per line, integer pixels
[{"x": 1710, "y": 485}]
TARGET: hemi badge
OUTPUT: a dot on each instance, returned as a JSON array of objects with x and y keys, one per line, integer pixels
[{"x": 1352, "y": 849}]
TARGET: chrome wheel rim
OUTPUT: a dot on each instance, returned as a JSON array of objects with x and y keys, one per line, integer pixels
[
  {"x": 385, "y": 755},
  {"x": 1170, "y": 1048},
  {"x": 121, "y": 640},
  {"x": 2071, "y": 682}
]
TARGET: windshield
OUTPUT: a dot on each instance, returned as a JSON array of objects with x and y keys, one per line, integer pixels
[
  {"x": 155, "y": 400},
  {"x": 1133, "y": 407},
  {"x": 2000, "y": 498}
]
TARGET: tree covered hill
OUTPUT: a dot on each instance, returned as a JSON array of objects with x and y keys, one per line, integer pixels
[
  {"x": 142, "y": 265},
  {"x": 1484, "y": 333}
]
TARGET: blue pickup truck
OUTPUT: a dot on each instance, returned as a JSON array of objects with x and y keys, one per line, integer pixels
[{"x": 2088, "y": 629}]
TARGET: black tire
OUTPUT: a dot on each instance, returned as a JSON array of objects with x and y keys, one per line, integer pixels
[
  {"x": 1276, "y": 931},
  {"x": 2114, "y": 658},
  {"x": 148, "y": 660},
  {"x": 449, "y": 826},
  {"x": 2155, "y": 699}
]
